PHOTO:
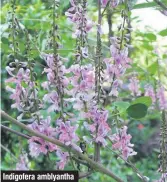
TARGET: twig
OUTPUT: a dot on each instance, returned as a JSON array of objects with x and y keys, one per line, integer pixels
[
  {"x": 131, "y": 165},
  {"x": 7, "y": 150},
  {"x": 95, "y": 165},
  {"x": 161, "y": 4},
  {"x": 105, "y": 8},
  {"x": 15, "y": 132}
]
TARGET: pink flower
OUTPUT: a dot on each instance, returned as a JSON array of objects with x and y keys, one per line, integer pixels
[
  {"x": 35, "y": 148},
  {"x": 104, "y": 2},
  {"x": 22, "y": 164},
  {"x": 52, "y": 98},
  {"x": 89, "y": 25},
  {"x": 114, "y": 3},
  {"x": 99, "y": 118},
  {"x": 149, "y": 91},
  {"x": 67, "y": 133},
  {"x": 63, "y": 159},
  {"x": 134, "y": 86},
  {"x": 162, "y": 98},
  {"x": 121, "y": 141},
  {"x": 84, "y": 52},
  {"x": 49, "y": 58},
  {"x": 38, "y": 145},
  {"x": 163, "y": 178},
  {"x": 101, "y": 134}
]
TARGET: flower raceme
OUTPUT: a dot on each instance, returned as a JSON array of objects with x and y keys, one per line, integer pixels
[
  {"x": 121, "y": 142},
  {"x": 38, "y": 145},
  {"x": 134, "y": 86},
  {"x": 162, "y": 98},
  {"x": 22, "y": 164},
  {"x": 76, "y": 14},
  {"x": 113, "y": 3}
]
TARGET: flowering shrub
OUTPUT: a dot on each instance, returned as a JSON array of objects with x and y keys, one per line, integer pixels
[{"x": 77, "y": 97}]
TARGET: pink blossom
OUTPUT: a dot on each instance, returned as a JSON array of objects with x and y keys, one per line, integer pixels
[
  {"x": 104, "y": 2},
  {"x": 163, "y": 178},
  {"x": 99, "y": 118},
  {"x": 149, "y": 91},
  {"x": 84, "y": 52},
  {"x": 162, "y": 98},
  {"x": 89, "y": 25},
  {"x": 121, "y": 141},
  {"x": 35, "y": 148},
  {"x": 52, "y": 98},
  {"x": 134, "y": 86},
  {"x": 38, "y": 145},
  {"x": 67, "y": 133},
  {"x": 114, "y": 3},
  {"x": 22, "y": 164},
  {"x": 63, "y": 159},
  {"x": 102, "y": 133}
]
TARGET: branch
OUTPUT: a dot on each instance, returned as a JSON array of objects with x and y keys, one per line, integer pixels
[
  {"x": 163, "y": 6},
  {"x": 143, "y": 178},
  {"x": 7, "y": 150},
  {"x": 105, "y": 8},
  {"x": 15, "y": 132},
  {"x": 96, "y": 166}
]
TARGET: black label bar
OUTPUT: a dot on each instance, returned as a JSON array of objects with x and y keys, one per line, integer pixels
[{"x": 39, "y": 176}]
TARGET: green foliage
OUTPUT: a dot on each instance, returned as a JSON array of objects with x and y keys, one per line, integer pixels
[
  {"x": 163, "y": 33},
  {"x": 143, "y": 100},
  {"x": 137, "y": 111}
]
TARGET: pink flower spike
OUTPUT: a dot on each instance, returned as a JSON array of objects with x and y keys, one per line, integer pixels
[
  {"x": 114, "y": 3},
  {"x": 104, "y": 2},
  {"x": 22, "y": 164},
  {"x": 162, "y": 98},
  {"x": 63, "y": 159}
]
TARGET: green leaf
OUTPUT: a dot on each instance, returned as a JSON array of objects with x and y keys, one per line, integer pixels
[
  {"x": 4, "y": 40},
  {"x": 163, "y": 32},
  {"x": 122, "y": 106},
  {"x": 153, "y": 68},
  {"x": 137, "y": 111},
  {"x": 144, "y": 5},
  {"x": 143, "y": 100},
  {"x": 150, "y": 36}
]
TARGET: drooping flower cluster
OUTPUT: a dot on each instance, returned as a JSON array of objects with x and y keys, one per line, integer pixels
[
  {"x": 77, "y": 15},
  {"x": 22, "y": 164},
  {"x": 134, "y": 86},
  {"x": 56, "y": 83},
  {"x": 159, "y": 95},
  {"x": 38, "y": 145},
  {"x": 116, "y": 65},
  {"x": 121, "y": 142},
  {"x": 67, "y": 134},
  {"x": 113, "y": 3},
  {"x": 24, "y": 95},
  {"x": 99, "y": 128},
  {"x": 149, "y": 91},
  {"x": 63, "y": 159},
  {"x": 163, "y": 178},
  {"x": 162, "y": 98},
  {"x": 82, "y": 81},
  {"x": 64, "y": 132}
]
